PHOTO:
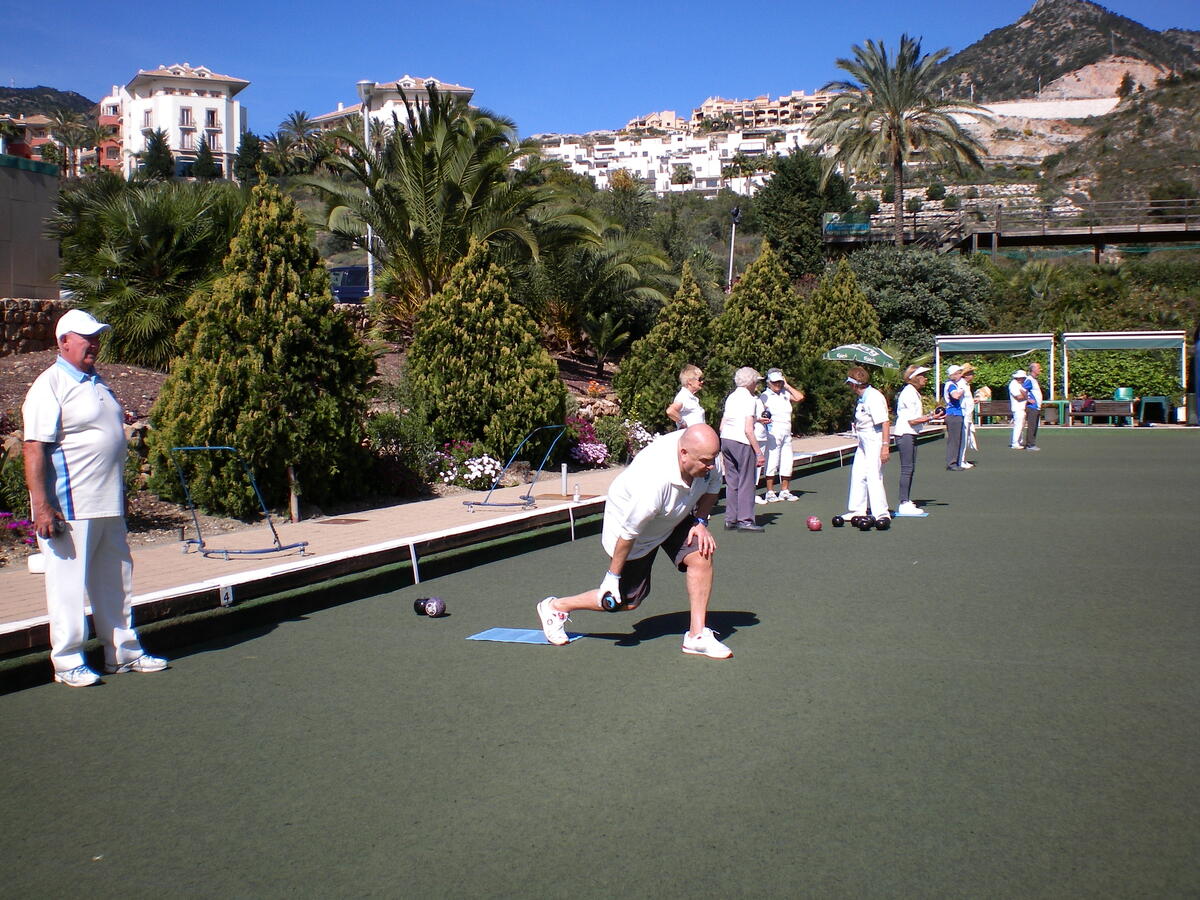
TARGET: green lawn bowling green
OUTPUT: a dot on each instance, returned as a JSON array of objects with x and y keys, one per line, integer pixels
[{"x": 999, "y": 700}]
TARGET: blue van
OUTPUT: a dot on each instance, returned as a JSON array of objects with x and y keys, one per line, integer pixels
[{"x": 348, "y": 283}]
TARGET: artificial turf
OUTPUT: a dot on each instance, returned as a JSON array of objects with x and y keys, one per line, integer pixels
[{"x": 997, "y": 700}]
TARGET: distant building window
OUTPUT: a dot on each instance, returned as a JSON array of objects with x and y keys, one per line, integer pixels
[
  {"x": 112, "y": 110},
  {"x": 187, "y": 140},
  {"x": 185, "y": 116},
  {"x": 214, "y": 143},
  {"x": 146, "y": 121},
  {"x": 210, "y": 118},
  {"x": 112, "y": 153}
]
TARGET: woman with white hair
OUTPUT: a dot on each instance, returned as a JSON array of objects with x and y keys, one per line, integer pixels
[
  {"x": 685, "y": 410},
  {"x": 740, "y": 451}
]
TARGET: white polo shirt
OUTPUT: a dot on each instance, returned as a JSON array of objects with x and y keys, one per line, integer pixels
[
  {"x": 690, "y": 410},
  {"x": 739, "y": 406},
  {"x": 79, "y": 414},
  {"x": 908, "y": 407},
  {"x": 780, "y": 407},
  {"x": 648, "y": 499},
  {"x": 870, "y": 412}
]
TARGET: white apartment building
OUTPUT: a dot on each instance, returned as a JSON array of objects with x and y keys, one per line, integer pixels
[
  {"x": 653, "y": 160},
  {"x": 384, "y": 100},
  {"x": 188, "y": 103}
]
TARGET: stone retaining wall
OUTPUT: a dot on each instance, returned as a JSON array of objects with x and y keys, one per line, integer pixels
[{"x": 28, "y": 325}]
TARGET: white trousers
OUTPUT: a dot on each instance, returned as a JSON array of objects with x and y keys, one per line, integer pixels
[
  {"x": 89, "y": 562},
  {"x": 1018, "y": 426},
  {"x": 866, "y": 477},
  {"x": 779, "y": 455}
]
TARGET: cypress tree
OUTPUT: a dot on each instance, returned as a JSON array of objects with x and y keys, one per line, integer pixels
[
  {"x": 157, "y": 161},
  {"x": 761, "y": 325},
  {"x": 205, "y": 165},
  {"x": 269, "y": 367},
  {"x": 249, "y": 157},
  {"x": 837, "y": 312},
  {"x": 477, "y": 360},
  {"x": 791, "y": 206},
  {"x": 682, "y": 335}
]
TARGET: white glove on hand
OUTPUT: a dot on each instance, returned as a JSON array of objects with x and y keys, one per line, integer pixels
[{"x": 610, "y": 587}]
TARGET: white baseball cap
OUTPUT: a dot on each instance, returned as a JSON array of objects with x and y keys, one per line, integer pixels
[
  {"x": 1020, "y": 373},
  {"x": 79, "y": 322},
  {"x": 954, "y": 370},
  {"x": 775, "y": 375}
]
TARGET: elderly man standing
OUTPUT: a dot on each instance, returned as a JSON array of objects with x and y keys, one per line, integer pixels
[
  {"x": 74, "y": 465},
  {"x": 741, "y": 451},
  {"x": 662, "y": 500}
]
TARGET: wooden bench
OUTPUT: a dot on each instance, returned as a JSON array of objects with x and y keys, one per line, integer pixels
[
  {"x": 992, "y": 409},
  {"x": 1113, "y": 410}
]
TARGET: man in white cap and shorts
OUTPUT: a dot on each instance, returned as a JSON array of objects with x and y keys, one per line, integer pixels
[
  {"x": 777, "y": 402},
  {"x": 75, "y": 467},
  {"x": 1017, "y": 395}
]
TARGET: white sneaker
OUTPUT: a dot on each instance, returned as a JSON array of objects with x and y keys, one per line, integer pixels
[
  {"x": 705, "y": 645},
  {"x": 850, "y": 515},
  {"x": 144, "y": 663},
  {"x": 80, "y": 676},
  {"x": 772, "y": 497},
  {"x": 553, "y": 622},
  {"x": 761, "y": 501},
  {"x": 789, "y": 496},
  {"x": 966, "y": 465},
  {"x": 908, "y": 508}
]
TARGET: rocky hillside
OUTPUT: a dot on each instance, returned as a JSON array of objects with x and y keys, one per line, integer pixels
[
  {"x": 1059, "y": 37},
  {"x": 1146, "y": 148},
  {"x": 41, "y": 100}
]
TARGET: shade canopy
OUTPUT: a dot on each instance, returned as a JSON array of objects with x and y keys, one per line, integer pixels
[
  {"x": 862, "y": 353},
  {"x": 1013, "y": 344},
  {"x": 1124, "y": 340}
]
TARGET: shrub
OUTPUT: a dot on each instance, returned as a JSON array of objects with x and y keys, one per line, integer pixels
[
  {"x": 935, "y": 191},
  {"x": 888, "y": 194},
  {"x": 649, "y": 376},
  {"x": 269, "y": 367},
  {"x": 1148, "y": 372},
  {"x": 458, "y": 463},
  {"x": 477, "y": 360},
  {"x": 951, "y": 201},
  {"x": 624, "y": 438},
  {"x": 14, "y": 495}
]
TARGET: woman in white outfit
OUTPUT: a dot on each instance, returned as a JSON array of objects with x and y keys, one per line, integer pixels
[
  {"x": 685, "y": 410},
  {"x": 872, "y": 427},
  {"x": 910, "y": 420},
  {"x": 1017, "y": 396}
]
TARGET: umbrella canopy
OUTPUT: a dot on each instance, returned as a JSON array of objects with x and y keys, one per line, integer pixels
[{"x": 862, "y": 353}]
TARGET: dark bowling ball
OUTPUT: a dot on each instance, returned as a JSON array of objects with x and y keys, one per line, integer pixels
[
  {"x": 419, "y": 605},
  {"x": 855, "y": 521},
  {"x": 864, "y": 523},
  {"x": 838, "y": 521},
  {"x": 883, "y": 524},
  {"x": 435, "y": 607},
  {"x": 870, "y": 520}
]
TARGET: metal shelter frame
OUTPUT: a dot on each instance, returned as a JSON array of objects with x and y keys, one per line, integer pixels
[
  {"x": 1124, "y": 340},
  {"x": 992, "y": 343},
  {"x": 526, "y": 499}
]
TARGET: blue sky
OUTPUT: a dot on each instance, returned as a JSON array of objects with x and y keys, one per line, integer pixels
[{"x": 550, "y": 66}]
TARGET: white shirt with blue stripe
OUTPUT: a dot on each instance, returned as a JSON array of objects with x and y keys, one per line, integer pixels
[{"x": 78, "y": 414}]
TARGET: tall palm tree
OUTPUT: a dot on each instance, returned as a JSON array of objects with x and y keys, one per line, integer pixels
[
  {"x": 306, "y": 146},
  {"x": 892, "y": 110},
  {"x": 70, "y": 130},
  {"x": 447, "y": 174}
]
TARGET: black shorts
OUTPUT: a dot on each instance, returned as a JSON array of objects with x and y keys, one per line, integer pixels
[{"x": 635, "y": 576}]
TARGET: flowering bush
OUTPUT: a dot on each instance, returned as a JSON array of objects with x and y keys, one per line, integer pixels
[
  {"x": 625, "y": 437},
  {"x": 457, "y": 465},
  {"x": 588, "y": 448},
  {"x": 15, "y": 532},
  {"x": 594, "y": 389}
]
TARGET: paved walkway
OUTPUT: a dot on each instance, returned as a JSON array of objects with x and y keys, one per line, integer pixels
[{"x": 169, "y": 580}]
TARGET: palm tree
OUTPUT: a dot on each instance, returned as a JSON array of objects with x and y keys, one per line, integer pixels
[
  {"x": 71, "y": 131},
  {"x": 134, "y": 252},
  {"x": 428, "y": 188},
  {"x": 306, "y": 146},
  {"x": 892, "y": 110}
]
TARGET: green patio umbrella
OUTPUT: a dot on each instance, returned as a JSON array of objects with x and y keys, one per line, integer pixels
[{"x": 862, "y": 353}]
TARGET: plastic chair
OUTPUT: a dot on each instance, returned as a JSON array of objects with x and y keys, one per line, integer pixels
[{"x": 1123, "y": 393}]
